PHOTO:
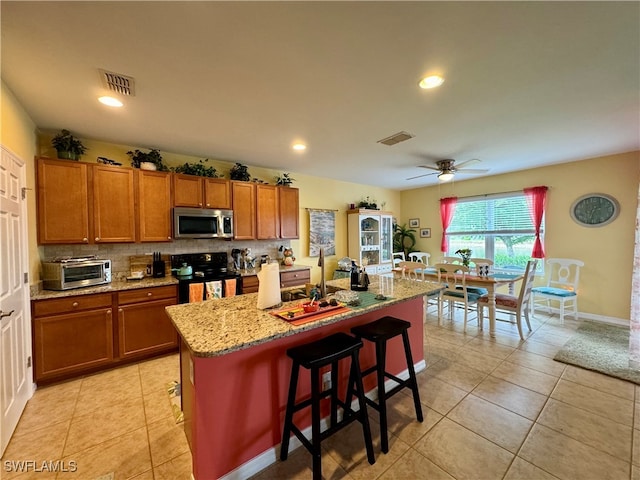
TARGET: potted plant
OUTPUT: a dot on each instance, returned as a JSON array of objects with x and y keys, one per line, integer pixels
[
  {"x": 285, "y": 180},
  {"x": 67, "y": 146},
  {"x": 151, "y": 160},
  {"x": 404, "y": 239},
  {"x": 199, "y": 169},
  {"x": 239, "y": 172}
]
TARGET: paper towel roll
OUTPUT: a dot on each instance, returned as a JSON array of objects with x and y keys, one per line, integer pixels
[{"x": 269, "y": 285}]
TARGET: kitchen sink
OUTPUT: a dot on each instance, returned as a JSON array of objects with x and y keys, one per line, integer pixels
[{"x": 290, "y": 295}]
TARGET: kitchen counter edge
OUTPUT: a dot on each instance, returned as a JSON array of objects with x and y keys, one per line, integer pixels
[
  {"x": 218, "y": 327},
  {"x": 114, "y": 286}
]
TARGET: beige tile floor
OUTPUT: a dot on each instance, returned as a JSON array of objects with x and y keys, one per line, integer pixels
[{"x": 494, "y": 408}]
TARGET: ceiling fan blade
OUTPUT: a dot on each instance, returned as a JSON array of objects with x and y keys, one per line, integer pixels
[
  {"x": 472, "y": 170},
  {"x": 430, "y": 167},
  {"x": 466, "y": 162},
  {"x": 423, "y": 175}
]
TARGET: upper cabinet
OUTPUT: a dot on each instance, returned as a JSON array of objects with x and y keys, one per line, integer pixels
[
  {"x": 113, "y": 205},
  {"x": 63, "y": 202},
  {"x": 267, "y": 219},
  {"x": 201, "y": 192},
  {"x": 244, "y": 210},
  {"x": 154, "y": 206},
  {"x": 289, "y": 212}
]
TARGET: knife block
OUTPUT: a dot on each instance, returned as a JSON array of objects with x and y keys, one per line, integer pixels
[{"x": 158, "y": 268}]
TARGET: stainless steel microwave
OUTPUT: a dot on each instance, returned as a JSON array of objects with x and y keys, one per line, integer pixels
[
  {"x": 67, "y": 273},
  {"x": 202, "y": 223}
]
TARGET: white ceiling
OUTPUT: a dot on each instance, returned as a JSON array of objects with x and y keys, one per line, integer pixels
[{"x": 527, "y": 83}]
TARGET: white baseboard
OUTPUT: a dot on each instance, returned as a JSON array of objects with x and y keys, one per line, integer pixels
[
  {"x": 271, "y": 455},
  {"x": 587, "y": 316}
]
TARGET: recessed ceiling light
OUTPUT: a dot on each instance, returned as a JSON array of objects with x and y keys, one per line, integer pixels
[
  {"x": 299, "y": 147},
  {"x": 110, "y": 101},
  {"x": 432, "y": 81}
]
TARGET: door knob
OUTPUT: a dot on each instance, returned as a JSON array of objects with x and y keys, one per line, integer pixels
[{"x": 3, "y": 314}]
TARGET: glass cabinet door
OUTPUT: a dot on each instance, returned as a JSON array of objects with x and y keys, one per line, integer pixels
[{"x": 386, "y": 239}]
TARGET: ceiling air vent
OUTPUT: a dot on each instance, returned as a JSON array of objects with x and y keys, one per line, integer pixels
[
  {"x": 118, "y": 83},
  {"x": 396, "y": 138}
]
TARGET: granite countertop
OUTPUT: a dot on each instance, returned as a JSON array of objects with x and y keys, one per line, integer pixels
[
  {"x": 114, "y": 286},
  {"x": 283, "y": 268},
  {"x": 217, "y": 327}
]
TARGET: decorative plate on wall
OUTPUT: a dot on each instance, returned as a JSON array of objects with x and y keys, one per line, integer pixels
[{"x": 595, "y": 210}]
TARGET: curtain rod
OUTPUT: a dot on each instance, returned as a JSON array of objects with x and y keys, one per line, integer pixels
[
  {"x": 498, "y": 194},
  {"x": 321, "y": 209}
]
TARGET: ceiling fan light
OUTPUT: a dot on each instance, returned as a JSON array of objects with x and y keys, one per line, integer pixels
[
  {"x": 445, "y": 176},
  {"x": 432, "y": 81}
]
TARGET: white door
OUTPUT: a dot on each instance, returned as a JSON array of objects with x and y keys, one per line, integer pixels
[{"x": 15, "y": 331}]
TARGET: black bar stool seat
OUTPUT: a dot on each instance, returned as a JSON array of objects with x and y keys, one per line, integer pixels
[
  {"x": 313, "y": 356},
  {"x": 379, "y": 332}
]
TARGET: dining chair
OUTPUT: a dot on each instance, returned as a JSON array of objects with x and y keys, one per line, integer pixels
[
  {"x": 562, "y": 286},
  {"x": 517, "y": 305},
  {"x": 422, "y": 257},
  {"x": 397, "y": 258},
  {"x": 454, "y": 274},
  {"x": 415, "y": 271}
]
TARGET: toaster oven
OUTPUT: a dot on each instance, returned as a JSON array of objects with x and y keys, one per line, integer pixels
[{"x": 68, "y": 273}]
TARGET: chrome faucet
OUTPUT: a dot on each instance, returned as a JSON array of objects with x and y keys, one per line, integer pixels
[{"x": 323, "y": 284}]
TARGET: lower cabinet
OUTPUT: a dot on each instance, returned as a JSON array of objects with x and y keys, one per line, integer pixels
[
  {"x": 80, "y": 334},
  {"x": 250, "y": 284},
  {"x": 295, "y": 278},
  {"x": 144, "y": 326},
  {"x": 72, "y": 335}
]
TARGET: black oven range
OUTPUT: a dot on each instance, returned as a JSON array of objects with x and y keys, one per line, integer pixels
[{"x": 205, "y": 267}]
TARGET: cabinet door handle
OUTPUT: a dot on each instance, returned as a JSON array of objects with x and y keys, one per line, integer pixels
[
  {"x": 199, "y": 204},
  {"x": 75, "y": 304},
  {"x": 85, "y": 239},
  {"x": 208, "y": 204},
  {"x": 97, "y": 239},
  {"x": 149, "y": 294},
  {"x": 120, "y": 310},
  {"x": 168, "y": 238}
]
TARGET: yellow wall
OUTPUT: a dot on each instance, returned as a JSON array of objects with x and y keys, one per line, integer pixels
[
  {"x": 605, "y": 280},
  {"x": 18, "y": 134}
]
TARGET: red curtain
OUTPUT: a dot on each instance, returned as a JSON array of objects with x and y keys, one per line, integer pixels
[
  {"x": 447, "y": 208},
  {"x": 536, "y": 200}
]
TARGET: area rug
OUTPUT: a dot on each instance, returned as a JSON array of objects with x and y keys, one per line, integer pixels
[
  {"x": 600, "y": 347},
  {"x": 173, "y": 389}
]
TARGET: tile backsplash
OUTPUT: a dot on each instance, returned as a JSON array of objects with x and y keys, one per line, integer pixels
[{"x": 120, "y": 253}]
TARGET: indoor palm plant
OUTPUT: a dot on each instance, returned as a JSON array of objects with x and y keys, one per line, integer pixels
[
  {"x": 67, "y": 146},
  {"x": 404, "y": 239}
]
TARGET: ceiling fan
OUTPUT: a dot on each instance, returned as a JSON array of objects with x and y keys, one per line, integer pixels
[{"x": 445, "y": 169}]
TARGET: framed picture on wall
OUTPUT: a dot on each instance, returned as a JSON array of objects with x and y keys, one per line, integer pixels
[
  {"x": 414, "y": 222},
  {"x": 425, "y": 233}
]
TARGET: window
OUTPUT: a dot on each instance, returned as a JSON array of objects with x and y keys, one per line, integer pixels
[{"x": 498, "y": 227}]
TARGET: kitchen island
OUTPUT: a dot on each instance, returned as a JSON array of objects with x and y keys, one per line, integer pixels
[{"x": 235, "y": 372}]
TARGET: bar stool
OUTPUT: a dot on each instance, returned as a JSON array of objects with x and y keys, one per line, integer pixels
[
  {"x": 379, "y": 332},
  {"x": 314, "y": 356}
]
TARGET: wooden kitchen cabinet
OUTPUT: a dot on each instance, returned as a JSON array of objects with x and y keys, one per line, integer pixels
[
  {"x": 244, "y": 210},
  {"x": 201, "y": 192},
  {"x": 295, "y": 278},
  {"x": 250, "y": 284},
  {"x": 153, "y": 215},
  {"x": 69, "y": 191},
  {"x": 267, "y": 217},
  {"x": 77, "y": 334},
  {"x": 72, "y": 335},
  {"x": 113, "y": 205},
  {"x": 144, "y": 326},
  {"x": 289, "y": 212},
  {"x": 62, "y": 201}
]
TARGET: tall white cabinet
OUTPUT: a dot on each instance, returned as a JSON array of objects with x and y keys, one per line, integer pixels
[{"x": 371, "y": 239}]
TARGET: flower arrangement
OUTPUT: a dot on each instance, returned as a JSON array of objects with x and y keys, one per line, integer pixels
[{"x": 465, "y": 254}]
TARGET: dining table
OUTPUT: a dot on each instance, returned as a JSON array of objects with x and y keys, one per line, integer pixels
[{"x": 490, "y": 282}]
